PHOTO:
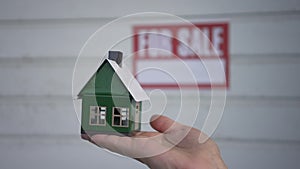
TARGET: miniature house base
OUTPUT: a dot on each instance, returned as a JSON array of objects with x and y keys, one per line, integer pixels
[{"x": 111, "y": 100}]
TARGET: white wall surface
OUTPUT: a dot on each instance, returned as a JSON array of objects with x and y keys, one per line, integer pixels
[{"x": 39, "y": 43}]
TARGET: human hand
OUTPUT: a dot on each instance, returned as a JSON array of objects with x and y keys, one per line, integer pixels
[{"x": 173, "y": 146}]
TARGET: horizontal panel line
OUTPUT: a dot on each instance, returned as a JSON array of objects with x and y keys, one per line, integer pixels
[
  {"x": 170, "y": 92},
  {"x": 39, "y": 138},
  {"x": 33, "y": 59},
  {"x": 188, "y": 16},
  {"x": 234, "y": 15},
  {"x": 265, "y": 55},
  {"x": 36, "y": 97},
  {"x": 276, "y": 58},
  {"x": 66, "y": 138},
  {"x": 257, "y": 141},
  {"x": 72, "y": 59}
]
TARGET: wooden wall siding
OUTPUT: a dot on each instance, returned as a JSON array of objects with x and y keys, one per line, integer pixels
[{"x": 39, "y": 43}]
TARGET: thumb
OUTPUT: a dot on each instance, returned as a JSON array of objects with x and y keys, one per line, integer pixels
[
  {"x": 175, "y": 133},
  {"x": 161, "y": 123}
]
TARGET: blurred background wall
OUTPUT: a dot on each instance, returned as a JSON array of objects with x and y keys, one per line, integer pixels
[{"x": 39, "y": 43}]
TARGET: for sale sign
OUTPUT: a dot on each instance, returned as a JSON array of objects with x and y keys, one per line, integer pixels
[{"x": 191, "y": 55}]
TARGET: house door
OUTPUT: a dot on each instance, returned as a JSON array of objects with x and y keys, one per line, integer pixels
[{"x": 137, "y": 116}]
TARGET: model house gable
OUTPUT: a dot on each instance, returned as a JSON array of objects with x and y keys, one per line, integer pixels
[
  {"x": 104, "y": 82},
  {"x": 111, "y": 79}
]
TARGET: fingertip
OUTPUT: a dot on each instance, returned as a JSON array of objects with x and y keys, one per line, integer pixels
[
  {"x": 85, "y": 137},
  {"x": 98, "y": 137}
]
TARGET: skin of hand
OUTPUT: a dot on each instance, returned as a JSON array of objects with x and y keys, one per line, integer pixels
[{"x": 173, "y": 146}]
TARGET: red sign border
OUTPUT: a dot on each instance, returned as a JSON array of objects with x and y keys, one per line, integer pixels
[{"x": 175, "y": 86}]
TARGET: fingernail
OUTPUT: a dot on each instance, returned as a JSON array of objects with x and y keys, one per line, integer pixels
[{"x": 154, "y": 117}]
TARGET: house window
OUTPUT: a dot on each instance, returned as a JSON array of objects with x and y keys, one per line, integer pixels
[
  {"x": 97, "y": 115},
  {"x": 120, "y": 117}
]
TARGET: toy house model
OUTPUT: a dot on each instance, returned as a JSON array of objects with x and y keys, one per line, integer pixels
[{"x": 111, "y": 99}]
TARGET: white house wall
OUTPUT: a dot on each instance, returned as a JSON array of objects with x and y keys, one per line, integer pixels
[{"x": 40, "y": 42}]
